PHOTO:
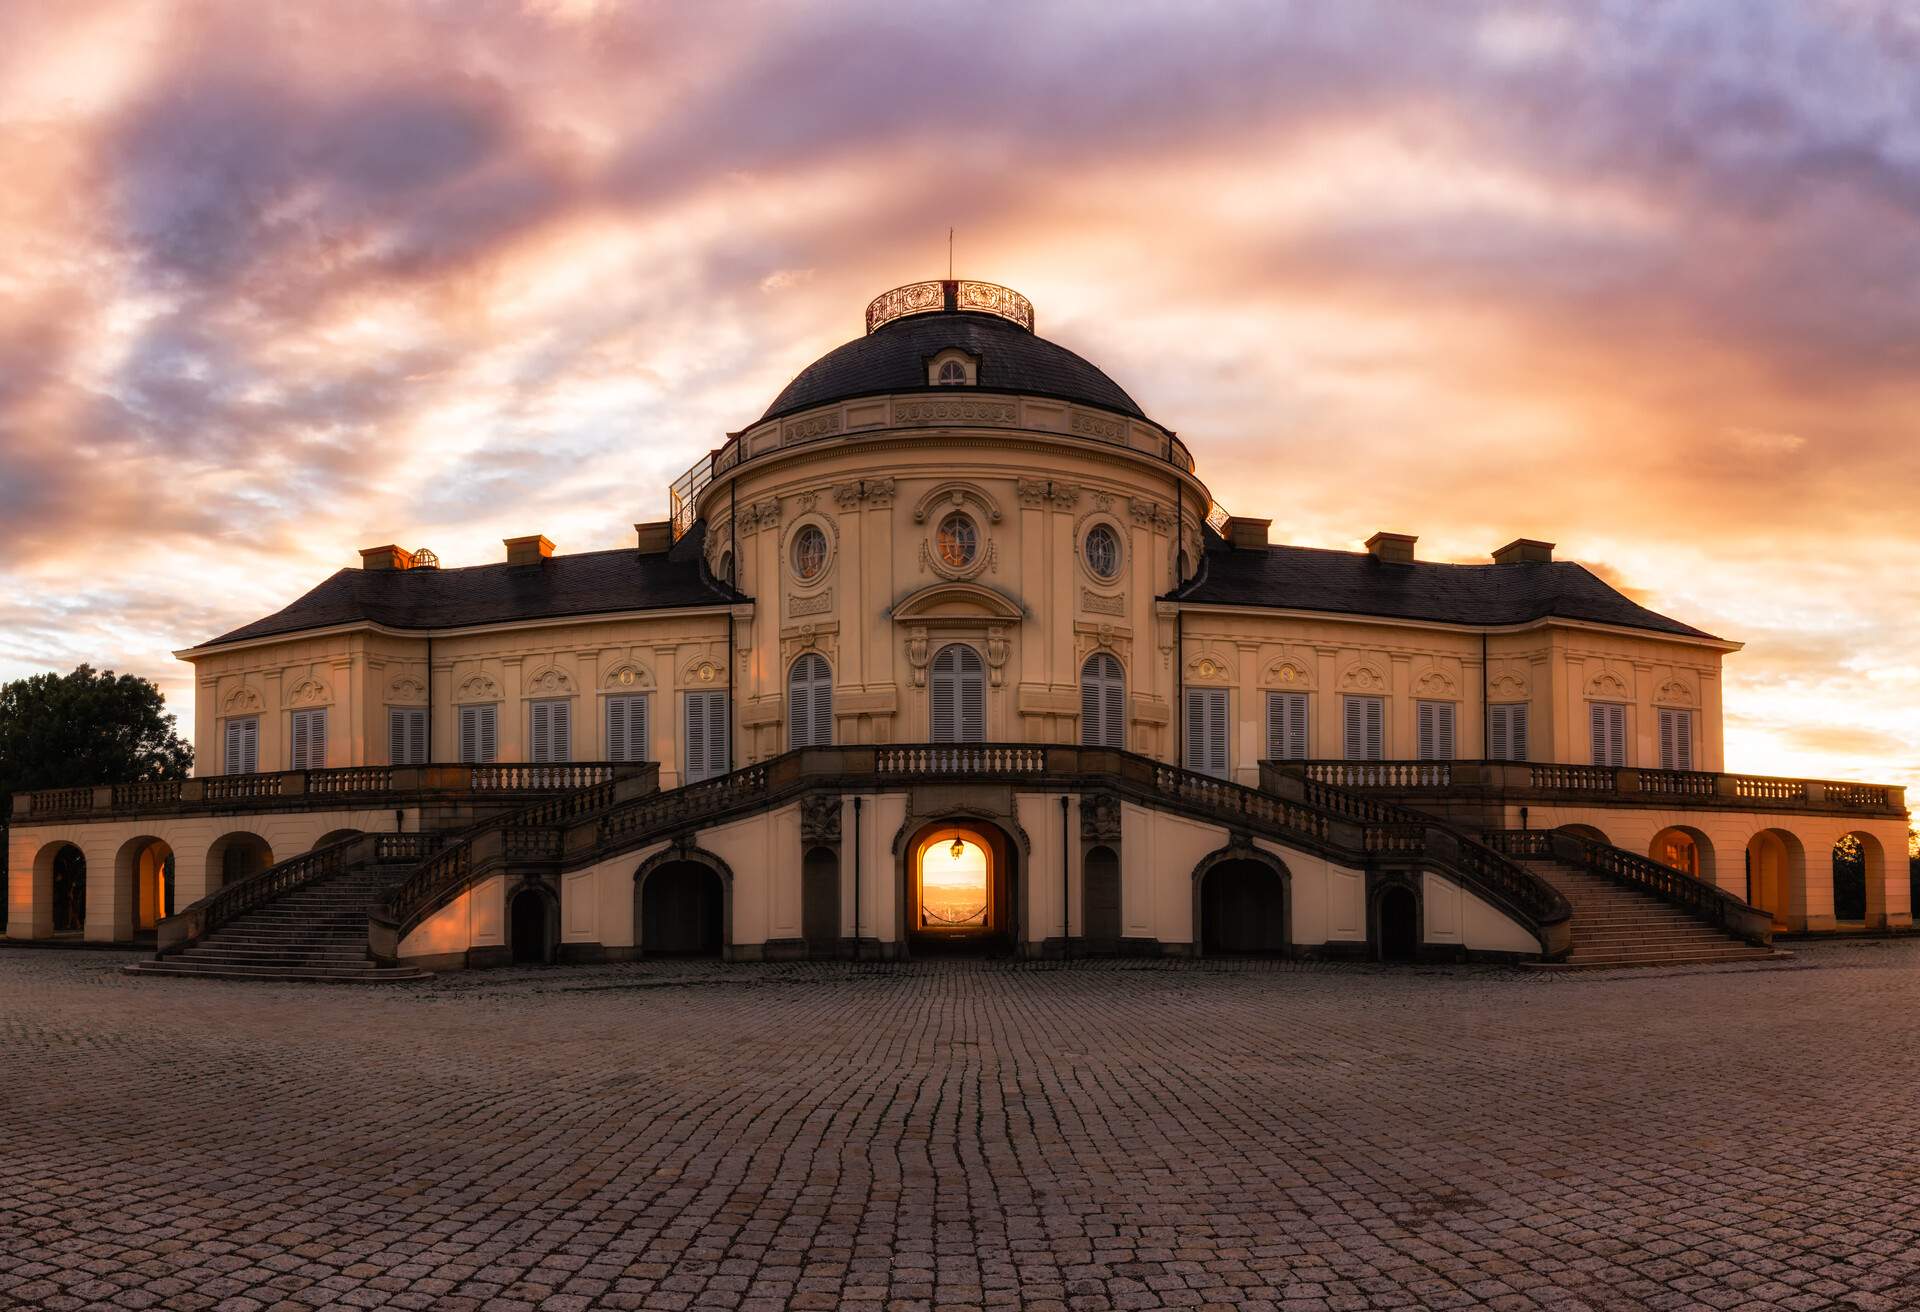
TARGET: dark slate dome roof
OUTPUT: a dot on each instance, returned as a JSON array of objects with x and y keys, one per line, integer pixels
[{"x": 893, "y": 358}]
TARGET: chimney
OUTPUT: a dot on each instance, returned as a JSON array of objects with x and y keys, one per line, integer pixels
[
  {"x": 1392, "y": 548},
  {"x": 1524, "y": 551},
  {"x": 655, "y": 537},
  {"x": 532, "y": 550},
  {"x": 387, "y": 557},
  {"x": 1245, "y": 532}
]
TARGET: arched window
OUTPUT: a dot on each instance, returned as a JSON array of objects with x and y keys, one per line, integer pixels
[
  {"x": 952, "y": 373},
  {"x": 810, "y": 702},
  {"x": 1103, "y": 702},
  {"x": 959, "y": 695}
]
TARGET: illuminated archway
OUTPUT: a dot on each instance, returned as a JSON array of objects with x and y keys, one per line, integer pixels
[
  {"x": 1683, "y": 848},
  {"x": 1777, "y": 877},
  {"x": 142, "y": 886},
  {"x": 959, "y": 889},
  {"x": 60, "y": 876}
]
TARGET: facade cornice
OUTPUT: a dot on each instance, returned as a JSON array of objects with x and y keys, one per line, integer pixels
[
  {"x": 740, "y": 610},
  {"x": 1167, "y": 608}
]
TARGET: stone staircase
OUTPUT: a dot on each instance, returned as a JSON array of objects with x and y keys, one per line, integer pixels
[
  {"x": 1615, "y": 924},
  {"x": 315, "y": 934}
]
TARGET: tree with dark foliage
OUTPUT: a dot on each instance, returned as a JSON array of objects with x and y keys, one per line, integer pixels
[{"x": 88, "y": 727}]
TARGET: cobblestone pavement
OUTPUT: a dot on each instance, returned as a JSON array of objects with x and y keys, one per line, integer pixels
[{"x": 1128, "y": 1135}]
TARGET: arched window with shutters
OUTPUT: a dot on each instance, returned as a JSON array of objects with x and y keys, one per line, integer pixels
[
  {"x": 810, "y": 702},
  {"x": 1103, "y": 702},
  {"x": 959, "y": 687}
]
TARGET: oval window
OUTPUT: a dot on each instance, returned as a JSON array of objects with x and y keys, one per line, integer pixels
[
  {"x": 958, "y": 541},
  {"x": 1103, "y": 552},
  {"x": 809, "y": 552}
]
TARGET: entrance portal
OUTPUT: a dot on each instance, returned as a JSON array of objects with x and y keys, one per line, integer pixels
[
  {"x": 529, "y": 928},
  {"x": 1399, "y": 927},
  {"x": 1243, "y": 910},
  {"x": 681, "y": 909},
  {"x": 958, "y": 897}
]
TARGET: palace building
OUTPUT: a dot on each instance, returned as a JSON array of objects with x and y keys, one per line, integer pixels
[{"x": 953, "y": 650}]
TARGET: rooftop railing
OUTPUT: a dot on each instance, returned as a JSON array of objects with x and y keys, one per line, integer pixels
[
  {"x": 1608, "y": 785},
  {"x": 313, "y": 788}
]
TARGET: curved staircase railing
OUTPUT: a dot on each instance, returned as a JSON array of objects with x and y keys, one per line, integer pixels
[
  {"x": 1698, "y": 897},
  {"x": 224, "y": 905},
  {"x": 593, "y": 824}
]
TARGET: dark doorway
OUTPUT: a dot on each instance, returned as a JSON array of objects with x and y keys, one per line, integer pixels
[
  {"x": 1101, "y": 918},
  {"x": 1243, "y": 910},
  {"x": 69, "y": 891},
  {"x": 680, "y": 911},
  {"x": 820, "y": 901},
  {"x": 530, "y": 932},
  {"x": 1849, "y": 879},
  {"x": 1399, "y": 925}
]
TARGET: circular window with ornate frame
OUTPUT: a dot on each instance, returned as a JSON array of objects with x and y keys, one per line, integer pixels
[
  {"x": 1102, "y": 553},
  {"x": 957, "y": 548},
  {"x": 807, "y": 554}
]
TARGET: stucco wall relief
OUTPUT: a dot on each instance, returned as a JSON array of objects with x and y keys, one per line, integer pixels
[
  {"x": 1674, "y": 693},
  {"x": 1436, "y": 684},
  {"x": 1508, "y": 688},
  {"x": 955, "y": 496},
  {"x": 704, "y": 672},
  {"x": 1147, "y": 511},
  {"x": 477, "y": 688},
  {"x": 1209, "y": 667},
  {"x": 1608, "y": 686},
  {"x": 1101, "y": 604},
  {"x": 868, "y": 492},
  {"x": 946, "y": 411},
  {"x": 309, "y": 692},
  {"x": 627, "y": 676},
  {"x": 241, "y": 701},
  {"x": 1286, "y": 673},
  {"x": 1363, "y": 677},
  {"x": 550, "y": 682},
  {"x": 406, "y": 691}
]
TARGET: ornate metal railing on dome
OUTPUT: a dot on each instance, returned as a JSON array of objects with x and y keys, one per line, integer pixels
[{"x": 948, "y": 295}]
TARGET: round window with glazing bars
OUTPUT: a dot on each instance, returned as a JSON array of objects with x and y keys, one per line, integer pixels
[
  {"x": 1103, "y": 552},
  {"x": 958, "y": 541},
  {"x": 809, "y": 553}
]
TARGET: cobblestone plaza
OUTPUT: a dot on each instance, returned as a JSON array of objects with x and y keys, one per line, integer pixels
[{"x": 1094, "y": 1135}]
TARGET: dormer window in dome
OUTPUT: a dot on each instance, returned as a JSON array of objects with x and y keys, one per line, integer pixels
[{"x": 953, "y": 368}]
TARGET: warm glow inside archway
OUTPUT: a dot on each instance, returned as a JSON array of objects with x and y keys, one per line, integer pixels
[{"x": 955, "y": 892}]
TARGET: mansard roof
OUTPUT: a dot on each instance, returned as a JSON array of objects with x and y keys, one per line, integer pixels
[
  {"x": 586, "y": 583},
  {"x": 1355, "y": 583},
  {"x": 893, "y": 358}
]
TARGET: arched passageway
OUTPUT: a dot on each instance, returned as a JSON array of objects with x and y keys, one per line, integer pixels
[
  {"x": 1100, "y": 920},
  {"x": 64, "y": 868},
  {"x": 1243, "y": 909},
  {"x": 234, "y": 857},
  {"x": 1685, "y": 849},
  {"x": 820, "y": 901},
  {"x": 1859, "y": 879},
  {"x": 530, "y": 927},
  {"x": 682, "y": 910},
  {"x": 1397, "y": 927},
  {"x": 142, "y": 886},
  {"x": 1777, "y": 877},
  {"x": 959, "y": 890}
]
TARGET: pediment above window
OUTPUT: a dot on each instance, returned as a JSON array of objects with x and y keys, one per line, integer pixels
[{"x": 958, "y": 601}]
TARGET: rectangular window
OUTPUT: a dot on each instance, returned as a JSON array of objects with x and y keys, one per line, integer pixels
[
  {"x": 1206, "y": 731},
  {"x": 309, "y": 747},
  {"x": 1676, "y": 739},
  {"x": 479, "y": 734},
  {"x": 1365, "y": 728},
  {"x": 627, "y": 735},
  {"x": 243, "y": 745},
  {"x": 406, "y": 735},
  {"x": 1608, "y": 724},
  {"x": 1286, "y": 726},
  {"x": 707, "y": 737},
  {"x": 1507, "y": 731},
  {"x": 1435, "y": 730},
  {"x": 550, "y": 731}
]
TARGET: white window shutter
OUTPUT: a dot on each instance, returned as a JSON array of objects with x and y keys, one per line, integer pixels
[
  {"x": 944, "y": 694},
  {"x": 250, "y": 745},
  {"x": 1507, "y": 732},
  {"x": 540, "y": 731},
  {"x": 1217, "y": 732},
  {"x": 1287, "y": 726},
  {"x": 1683, "y": 739},
  {"x": 317, "y": 739},
  {"x": 1206, "y": 731},
  {"x": 1428, "y": 714},
  {"x": 1365, "y": 728},
  {"x": 1617, "y": 734},
  {"x": 1668, "y": 751},
  {"x": 560, "y": 727},
  {"x": 1276, "y": 726},
  {"x": 1442, "y": 731},
  {"x": 469, "y": 734},
  {"x": 1517, "y": 732},
  {"x": 810, "y": 702},
  {"x": 822, "y": 703},
  {"x": 616, "y": 731},
  {"x": 298, "y": 760},
  {"x": 1194, "y": 729},
  {"x": 1297, "y": 748},
  {"x": 1103, "y": 708},
  {"x": 1597, "y": 728},
  {"x": 396, "y": 736},
  {"x": 973, "y": 697},
  {"x": 639, "y": 729},
  {"x": 417, "y": 737},
  {"x": 696, "y": 737},
  {"x": 719, "y": 737},
  {"x": 1354, "y": 746},
  {"x": 489, "y": 733}
]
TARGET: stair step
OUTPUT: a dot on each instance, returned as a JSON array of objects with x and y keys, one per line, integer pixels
[{"x": 370, "y": 974}]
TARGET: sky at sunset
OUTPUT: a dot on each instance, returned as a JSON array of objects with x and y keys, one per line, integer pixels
[{"x": 284, "y": 281}]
